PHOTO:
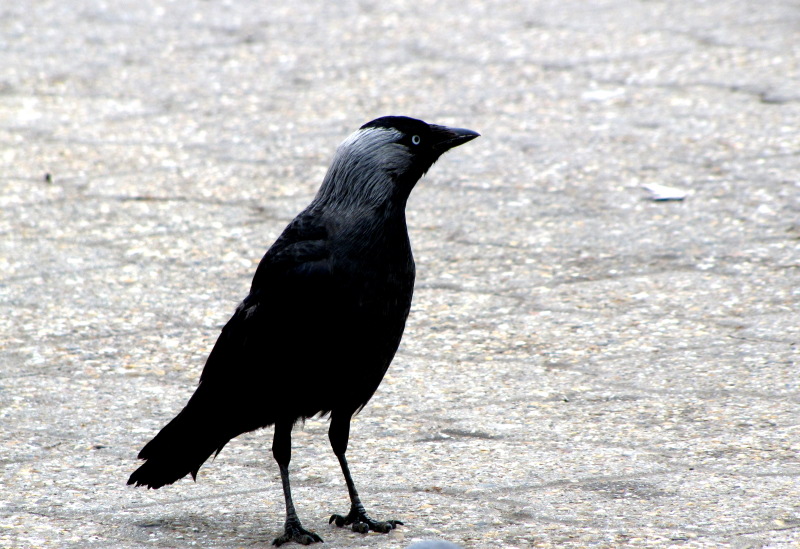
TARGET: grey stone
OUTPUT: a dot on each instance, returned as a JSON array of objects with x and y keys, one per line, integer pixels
[{"x": 434, "y": 544}]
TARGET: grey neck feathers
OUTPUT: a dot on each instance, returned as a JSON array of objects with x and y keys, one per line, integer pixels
[{"x": 364, "y": 172}]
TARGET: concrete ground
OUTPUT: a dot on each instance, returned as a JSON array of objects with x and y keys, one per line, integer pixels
[{"x": 583, "y": 366}]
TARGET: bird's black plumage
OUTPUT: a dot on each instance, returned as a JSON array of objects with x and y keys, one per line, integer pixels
[{"x": 323, "y": 319}]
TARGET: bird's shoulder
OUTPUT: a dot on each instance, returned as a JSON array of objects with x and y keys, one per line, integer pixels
[
  {"x": 301, "y": 251},
  {"x": 292, "y": 280}
]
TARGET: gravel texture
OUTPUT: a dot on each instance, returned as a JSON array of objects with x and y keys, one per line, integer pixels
[{"x": 583, "y": 365}]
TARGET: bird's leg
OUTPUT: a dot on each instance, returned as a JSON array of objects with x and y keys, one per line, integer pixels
[
  {"x": 339, "y": 434},
  {"x": 282, "y": 451}
]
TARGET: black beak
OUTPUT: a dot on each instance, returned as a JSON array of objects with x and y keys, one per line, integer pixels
[{"x": 446, "y": 138}]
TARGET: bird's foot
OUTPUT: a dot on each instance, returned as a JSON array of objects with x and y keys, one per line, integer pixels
[
  {"x": 293, "y": 531},
  {"x": 362, "y": 523}
]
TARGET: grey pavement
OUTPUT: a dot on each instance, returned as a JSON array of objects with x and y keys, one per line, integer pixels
[{"x": 583, "y": 366}]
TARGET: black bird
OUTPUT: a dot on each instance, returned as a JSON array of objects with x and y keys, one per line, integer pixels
[{"x": 323, "y": 320}]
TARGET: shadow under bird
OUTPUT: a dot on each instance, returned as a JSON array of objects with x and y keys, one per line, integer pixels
[{"x": 323, "y": 319}]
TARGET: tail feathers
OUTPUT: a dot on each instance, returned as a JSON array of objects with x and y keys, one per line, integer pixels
[{"x": 179, "y": 449}]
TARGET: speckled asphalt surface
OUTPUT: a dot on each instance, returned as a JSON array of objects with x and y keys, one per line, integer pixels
[{"x": 582, "y": 367}]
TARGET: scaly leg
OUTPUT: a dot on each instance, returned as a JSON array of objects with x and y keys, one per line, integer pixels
[
  {"x": 339, "y": 434},
  {"x": 282, "y": 451}
]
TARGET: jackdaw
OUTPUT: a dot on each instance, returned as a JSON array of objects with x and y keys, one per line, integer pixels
[{"x": 323, "y": 319}]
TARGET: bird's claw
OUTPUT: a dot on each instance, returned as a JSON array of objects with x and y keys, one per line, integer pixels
[
  {"x": 296, "y": 533},
  {"x": 362, "y": 523}
]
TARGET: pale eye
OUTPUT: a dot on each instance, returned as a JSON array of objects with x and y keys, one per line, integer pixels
[{"x": 415, "y": 140}]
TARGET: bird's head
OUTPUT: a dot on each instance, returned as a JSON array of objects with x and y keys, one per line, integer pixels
[{"x": 383, "y": 160}]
